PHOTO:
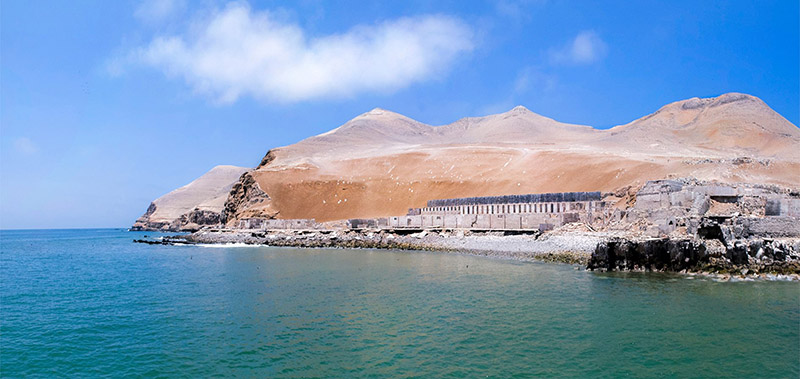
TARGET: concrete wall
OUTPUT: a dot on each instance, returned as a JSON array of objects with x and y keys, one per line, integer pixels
[
  {"x": 790, "y": 207},
  {"x": 778, "y": 226},
  {"x": 667, "y": 203},
  {"x": 269, "y": 224},
  {"x": 512, "y": 208},
  {"x": 476, "y": 217},
  {"x": 558, "y": 197}
]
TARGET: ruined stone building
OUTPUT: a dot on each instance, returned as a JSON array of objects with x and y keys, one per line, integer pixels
[{"x": 734, "y": 210}]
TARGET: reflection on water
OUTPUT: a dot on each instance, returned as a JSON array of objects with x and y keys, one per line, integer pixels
[{"x": 91, "y": 302}]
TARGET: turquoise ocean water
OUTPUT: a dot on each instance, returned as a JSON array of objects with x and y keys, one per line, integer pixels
[{"x": 91, "y": 302}]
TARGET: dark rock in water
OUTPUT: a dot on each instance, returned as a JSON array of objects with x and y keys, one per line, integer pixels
[
  {"x": 648, "y": 255},
  {"x": 149, "y": 242},
  {"x": 738, "y": 253},
  {"x": 169, "y": 240},
  {"x": 695, "y": 255}
]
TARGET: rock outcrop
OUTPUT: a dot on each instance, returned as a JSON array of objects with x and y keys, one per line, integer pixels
[
  {"x": 247, "y": 199},
  {"x": 754, "y": 256}
]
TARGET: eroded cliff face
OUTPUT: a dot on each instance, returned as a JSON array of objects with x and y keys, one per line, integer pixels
[
  {"x": 192, "y": 221},
  {"x": 145, "y": 223},
  {"x": 247, "y": 199},
  {"x": 691, "y": 255}
]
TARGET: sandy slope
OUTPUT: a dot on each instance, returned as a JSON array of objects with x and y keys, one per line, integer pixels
[
  {"x": 207, "y": 192},
  {"x": 382, "y": 163}
]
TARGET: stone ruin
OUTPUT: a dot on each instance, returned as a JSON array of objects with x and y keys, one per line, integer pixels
[
  {"x": 710, "y": 227},
  {"x": 688, "y": 207}
]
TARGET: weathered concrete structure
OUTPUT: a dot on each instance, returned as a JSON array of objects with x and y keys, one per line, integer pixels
[
  {"x": 728, "y": 228},
  {"x": 513, "y": 212},
  {"x": 745, "y": 210},
  {"x": 269, "y": 224}
]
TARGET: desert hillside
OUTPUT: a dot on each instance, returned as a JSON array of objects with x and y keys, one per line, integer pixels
[
  {"x": 382, "y": 163},
  {"x": 203, "y": 197}
]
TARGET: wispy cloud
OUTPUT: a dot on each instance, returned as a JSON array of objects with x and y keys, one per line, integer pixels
[
  {"x": 25, "y": 146},
  {"x": 237, "y": 51},
  {"x": 532, "y": 77},
  {"x": 587, "y": 47},
  {"x": 155, "y": 11},
  {"x": 518, "y": 10}
]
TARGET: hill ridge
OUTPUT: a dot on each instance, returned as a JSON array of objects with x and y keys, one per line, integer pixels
[{"x": 382, "y": 163}]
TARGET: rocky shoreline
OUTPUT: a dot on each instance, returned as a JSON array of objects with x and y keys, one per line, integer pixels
[
  {"x": 523, "y": 247},
  {"x": 742, "y": 258},
  {"x": 768, "y": 259}
]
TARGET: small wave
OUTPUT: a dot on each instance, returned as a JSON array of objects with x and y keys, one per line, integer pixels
[{"x": 232, "y": 244}]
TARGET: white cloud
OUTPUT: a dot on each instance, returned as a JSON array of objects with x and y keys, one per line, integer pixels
[
  {"x": 25, "y": 146},
  {"x": 155, "y": 11},
  {"x": 585, "y": 48},
  {"x": 237, "y": 51},
  {"x": 518, "y": 10}
]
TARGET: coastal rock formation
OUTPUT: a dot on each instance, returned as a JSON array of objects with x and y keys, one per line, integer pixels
[
  {"x": 689, "y": 225},
  {"x": 692, "y": 255},
  {"x": 247, "y": 199},
  {"x": 192, "y": 206}
]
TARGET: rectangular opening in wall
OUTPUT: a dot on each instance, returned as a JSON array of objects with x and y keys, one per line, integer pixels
[
  {"x": 725, "y": 199},
  {"x": 773, "y": 208},
  {"x": 571, "y": 217}
]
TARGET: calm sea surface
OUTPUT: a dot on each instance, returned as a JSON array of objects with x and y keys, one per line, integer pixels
[{"x": 91, "y": 302}]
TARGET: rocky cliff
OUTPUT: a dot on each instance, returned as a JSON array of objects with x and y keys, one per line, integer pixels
[{"x": 247, "y": 199}]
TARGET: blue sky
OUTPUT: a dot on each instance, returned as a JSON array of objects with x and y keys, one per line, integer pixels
[{"x": 106, "y": 105}]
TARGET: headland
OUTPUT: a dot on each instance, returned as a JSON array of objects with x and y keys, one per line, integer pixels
[{"x": 699, "y": 185}]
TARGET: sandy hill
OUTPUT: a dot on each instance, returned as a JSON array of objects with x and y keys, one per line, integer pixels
[
  {"x": 206, "y": 194},
  {"x": 731, "y": 124},
  {"x": 382, "y": 163}
]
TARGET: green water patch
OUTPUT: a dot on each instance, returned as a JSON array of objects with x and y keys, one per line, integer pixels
[{"x": 87, "y": 303}]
